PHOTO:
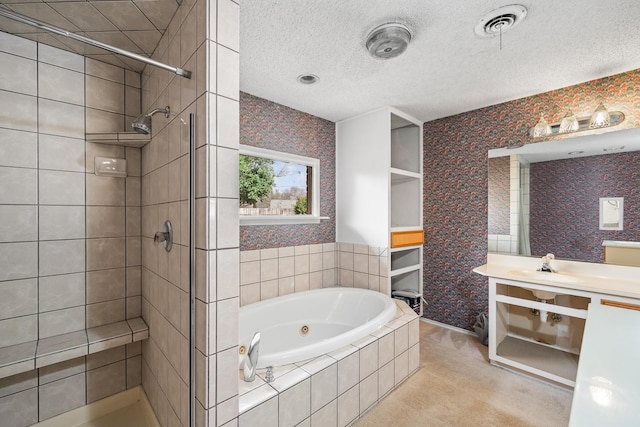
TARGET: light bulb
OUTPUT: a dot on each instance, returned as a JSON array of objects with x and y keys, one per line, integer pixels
[
  {"x": 569, "y": 123},
  {"x": 542, "y": 128},
  {"x": 600, "y": 118}
]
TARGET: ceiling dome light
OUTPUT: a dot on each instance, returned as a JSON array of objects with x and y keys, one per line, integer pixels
[
  {"x": 388, "y": 41},
  {"x": 308, "y": 79}
]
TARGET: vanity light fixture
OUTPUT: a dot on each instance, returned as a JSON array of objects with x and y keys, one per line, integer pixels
[
  {"x": 600, "y": 118},
  {"x": 570, "y": 123},
  {"x": 541, "y": 129}
]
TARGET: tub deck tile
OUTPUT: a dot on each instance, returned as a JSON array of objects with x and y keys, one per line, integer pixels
[
  {"x": 289, "y": 379},
  {"x": 245, "y": 387},
  {"x": 365, "y": 341},
  {"x": 318, "y": 364},
  {"x": 343, "y": 352},
  {"x": 255, "y": 397}
]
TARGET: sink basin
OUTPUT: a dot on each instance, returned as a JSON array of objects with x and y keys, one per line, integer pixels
[
  {"x": 549, "y": 277},
  {"x": 533, "y": 276}
]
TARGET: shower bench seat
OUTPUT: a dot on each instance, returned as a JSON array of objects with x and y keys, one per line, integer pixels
[{"x": 31, "y": 355}]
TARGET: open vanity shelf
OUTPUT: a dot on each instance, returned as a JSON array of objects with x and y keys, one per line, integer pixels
[
  {"x": 537, "y": 320},
  {"x": 385, "y": 209}
]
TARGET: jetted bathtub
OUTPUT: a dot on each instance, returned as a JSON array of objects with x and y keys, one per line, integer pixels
[{"x": 308, "y": 324}]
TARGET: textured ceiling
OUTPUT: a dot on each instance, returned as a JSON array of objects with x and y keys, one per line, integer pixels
[
  {"x": 447, "y": 69},
  {"x": 134, "y": 25}
]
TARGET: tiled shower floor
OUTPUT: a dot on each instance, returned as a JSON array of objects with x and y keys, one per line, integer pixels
[{"x": 129, "y": 416}]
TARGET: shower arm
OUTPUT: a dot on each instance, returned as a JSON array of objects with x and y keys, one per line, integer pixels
[{"x": 44, "y": 26}]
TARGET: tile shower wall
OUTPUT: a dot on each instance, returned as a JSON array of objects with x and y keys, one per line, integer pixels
[
  {"x": 202, "y": 37},
  {"x": 563, "y": 186},
  {"x": 69, "y": 240},
  {"x": 265, "y": 124},
  {"x": 268, "y": 273},
  {"x": 455, "y": 184}
]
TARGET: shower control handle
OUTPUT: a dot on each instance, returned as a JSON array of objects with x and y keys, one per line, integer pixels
[{"x": 165, "y": 236}]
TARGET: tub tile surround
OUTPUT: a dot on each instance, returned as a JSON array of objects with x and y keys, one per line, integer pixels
[
  {"x": 69, "y": 253},
  {"x": 337, "y": 388},
  {"x": 272, "y": 272}
]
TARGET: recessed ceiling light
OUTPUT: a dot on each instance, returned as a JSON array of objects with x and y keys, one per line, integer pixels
[
  {"x": 308, "y": 79},
  {"x": 620, "y": 148}
]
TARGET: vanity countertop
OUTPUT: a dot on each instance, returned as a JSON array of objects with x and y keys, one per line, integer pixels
[
  {"x": 607, "y": 390},
  {"x": 589, "y": 277}
]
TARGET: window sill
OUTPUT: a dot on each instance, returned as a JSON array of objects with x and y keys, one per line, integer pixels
[{"x": 280, "y": 219}]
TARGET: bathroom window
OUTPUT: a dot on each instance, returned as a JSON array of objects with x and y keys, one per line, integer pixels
[{"x": 278, "y": 188}]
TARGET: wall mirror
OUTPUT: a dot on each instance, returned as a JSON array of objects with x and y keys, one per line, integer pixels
[{"x": 545, "y": 197}]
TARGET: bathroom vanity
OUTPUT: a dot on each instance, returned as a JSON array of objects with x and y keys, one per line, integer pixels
[{"x": 537, "y": 319}]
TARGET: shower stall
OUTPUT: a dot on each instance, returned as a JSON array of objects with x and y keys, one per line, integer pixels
[{"x": 94, "y": 312}]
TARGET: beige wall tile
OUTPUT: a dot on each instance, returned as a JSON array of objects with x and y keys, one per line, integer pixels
[
  {"x": 18, "y": 223},
  {"x": 60, "y": 84},
  {"x": 228, "y": 117},
  {"x": 105, "y": 191},
  {"x": 18, "y": 46},
  {"x": 18, "y": 260},
  {"x": 104, "y": 70},
  {"x": 105, "y": 253},
  {"x": 229, "y": 24},
  {"x": 104, "y": 95},
  {"x": 18, "y": 74},
  {"x": 61, "y": 222},
  {"x": 106, "y": 381},
  {"x": 228, "y": 74},
  {"x": 19, "y": 298},
  {"x": 59, "y": 118},
  {"x": 63, "y": 291},
  {"x": 20, "y": 409},
  {"x": 105, "y": 312},
  {"x": 61, "y": 153},
  {"x": 104, "y": 121},
  {"x": 61, "y": 257},
  {"x": 61, "y": 58},
  {"x": 19, "y": 186},
  {"x": 61, "y": 321},
  {"x": 105, "y": 285},
  {"x": 105, "y": 221},
  {"x": 18, "y": 148},
  {"x": 20, "y": 112},
  {"x": 18, "y": 330},
  {"x": 61, "y": 396},
  {"x": 61, "y": 188}
]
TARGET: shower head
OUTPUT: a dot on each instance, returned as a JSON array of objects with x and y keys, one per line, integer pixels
[{"x": 142, "y": 123}]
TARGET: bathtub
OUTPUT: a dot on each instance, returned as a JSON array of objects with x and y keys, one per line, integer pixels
[{"x": 308, "y": 324}]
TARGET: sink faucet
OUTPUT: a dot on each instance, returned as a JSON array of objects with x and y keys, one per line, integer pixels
[
  {"x": 251, "y": 359},
  {"x": 546, "y": 264}
]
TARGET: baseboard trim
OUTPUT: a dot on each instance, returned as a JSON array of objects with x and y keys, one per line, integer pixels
[
  {"x": 101, "y": 408},
  {"x": 444, "y": 325}
]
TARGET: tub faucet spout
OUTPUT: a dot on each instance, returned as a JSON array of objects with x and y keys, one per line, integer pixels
[{"x": 251, "y": 359}]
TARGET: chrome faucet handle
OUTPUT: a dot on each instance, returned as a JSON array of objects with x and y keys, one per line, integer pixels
[{"x": 251, "y": 358}]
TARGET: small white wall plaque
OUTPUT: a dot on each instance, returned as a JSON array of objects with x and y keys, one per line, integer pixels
[{"x": 611, "y": 213}]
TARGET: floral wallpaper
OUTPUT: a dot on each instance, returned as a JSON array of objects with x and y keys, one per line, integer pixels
[{"x": 266, "y": 124}]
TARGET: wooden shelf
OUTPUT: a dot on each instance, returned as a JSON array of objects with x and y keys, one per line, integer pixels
[{"x": 31, "y": 355}]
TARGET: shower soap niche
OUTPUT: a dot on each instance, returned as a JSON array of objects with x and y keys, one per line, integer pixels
[{"x": 107, "y": 166}]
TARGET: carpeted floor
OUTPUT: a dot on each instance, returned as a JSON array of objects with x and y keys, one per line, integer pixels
[{"x": 456, "y": 386}]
